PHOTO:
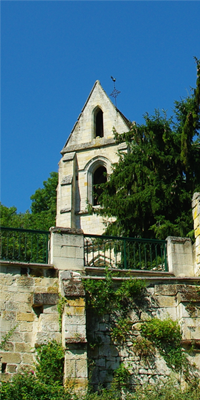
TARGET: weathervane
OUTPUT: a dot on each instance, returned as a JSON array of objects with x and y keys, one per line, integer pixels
[{"x": 115, "y": 92}]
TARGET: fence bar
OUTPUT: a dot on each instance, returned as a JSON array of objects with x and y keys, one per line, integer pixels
[
  {"x": 132, "y": 253},
  {"x": 25, "y": 245}
]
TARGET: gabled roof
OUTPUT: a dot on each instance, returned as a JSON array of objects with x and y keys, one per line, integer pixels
[{"x": 127, "y": 122}]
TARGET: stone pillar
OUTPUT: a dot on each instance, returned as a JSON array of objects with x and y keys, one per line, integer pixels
[
  {"x": 67, "y": 249},
  {"x": 196, "y": 219},
  {"x": 180, "y": 256},
  {"x": 74, "y": 331}
]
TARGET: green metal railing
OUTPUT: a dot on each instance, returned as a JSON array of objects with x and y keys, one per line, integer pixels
[
  {"x": 125, "y": 253},
  {"x": 25, "y": 245}
]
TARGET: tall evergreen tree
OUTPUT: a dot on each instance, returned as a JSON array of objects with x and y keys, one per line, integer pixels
[{"x": 150, "y": 189}]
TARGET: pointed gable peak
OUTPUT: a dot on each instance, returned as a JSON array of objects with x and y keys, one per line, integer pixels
[{"x": 98, "y": 110}]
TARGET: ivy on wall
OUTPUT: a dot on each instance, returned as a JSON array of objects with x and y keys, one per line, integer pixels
[{"x": 118, "y": 300}]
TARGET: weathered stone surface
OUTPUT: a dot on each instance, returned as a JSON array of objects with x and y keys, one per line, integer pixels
[
  {"x": 188, "y": 293},
  {"x": 12, "y": 368},
  {"x": 28, "y": 358},
  {"x": 26, "y": 326},
  {"x": 73, "y": 288},
  {"x": 44, "y": 337},
  {"x": 47, "y": 309},
  {"x": 68, "y": 156},
  {"x": 9, "y": 346},
  {"x": 79, "y": 302},
  {"x": 81, "y": 368},
  {"x": 166, "y": 301},
  {"x": 25, "y": 282},
  {"x": 22, "y": 347},
  {"x": 75, "y": 353},
  {"x": 45, "y": 299},
  {"x": 74, "y": 320},
  {"x": 11, "y": 358},
  {"x": 29, "y": 317},
  {"x": 165, "y": 290},
  {"x": 70, "y": 368}
]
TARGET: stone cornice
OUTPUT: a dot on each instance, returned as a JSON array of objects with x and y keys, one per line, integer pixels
[{"x": 89, "y": 145}]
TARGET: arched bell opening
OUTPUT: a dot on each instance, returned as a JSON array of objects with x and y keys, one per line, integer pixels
[
  {"x": 98, "y": 123},
  {"x": 99, "y": 177}
]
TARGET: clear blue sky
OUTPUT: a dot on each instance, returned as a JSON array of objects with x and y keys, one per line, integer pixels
[{"x": 53, "y": 52}]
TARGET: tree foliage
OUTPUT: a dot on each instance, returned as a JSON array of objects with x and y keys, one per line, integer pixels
[
  {"x": 43, "y": 209},
  {"x": 150, "y": 189}
]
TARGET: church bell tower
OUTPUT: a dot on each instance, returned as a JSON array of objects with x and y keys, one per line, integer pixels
[{"x": 87, "y": 159}]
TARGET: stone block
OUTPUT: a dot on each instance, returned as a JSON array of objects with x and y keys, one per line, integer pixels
[
  {"x": 63, "y": 263},
  {"x": 105, "y": 350},
  {"x": 103, "y": 327},
  {"x": 187, "y": 293},
  {"x": 180, "y": 257},
  {"x": 9, "y": 316},
  {"x": 75, "y": 331},
  {"x": 105, "y": 338},
  {"x": 11, "y": 306},
  {"x": 74, "y": 320},
  {"x": 43, "y": 337},
  {"x": 11, "y": 368},
  {"x": 9, "y": 346},
  {"x": 22, "y": 347},
  {"x": 28, "y": 358},
  {"x": 11, "y": 358},
  {"x": 101, "y": 362},
  {"x": 17, "y": 337},
  {"x": 21, "y": 297},
  {"x": 29, "y": 317},
  {"x": 24, "y": 307},
  {"x": 165, "y": 290},
  {"x": 7, "y": 280},
  {"x": 197, "y": 231},
  {"x": 50, "y": 309},
  {"x": 166, "y": 301},
  {"x": 45, "y": 299},
  {"x": 26, "y": 326},
  {"x": 25, "y": 282},
  {"x": 81, "y": 368},
  {"x": 52, "y": 289},
  {"x": 2, "y": 305},
  {"x": 49, "y": 322},
  {"x": 166, "y": 312},
  {"x": 185, "y": 310},
  {"x": 75, "y": 354},
  {"x": 70, "y": 368},
  {"x": 79, "y": 302},
  {"x": 28, "y": 337},
  {"x": 73, "y": 288}
]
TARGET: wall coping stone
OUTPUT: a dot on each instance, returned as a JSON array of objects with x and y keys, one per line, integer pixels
[
  {"x": 25, "y": 264},
  {"x": 176, "y": 279},
  {"x": 130, "y": 272},
  {"x": 178, "y": 240},
  {"x": 68, "y": 231}
]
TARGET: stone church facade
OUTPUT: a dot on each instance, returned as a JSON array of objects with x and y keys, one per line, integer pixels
[{"x": 87, "y": 159}]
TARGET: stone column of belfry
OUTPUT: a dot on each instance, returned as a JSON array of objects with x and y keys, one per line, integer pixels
[{"x": 196, "y": 219}]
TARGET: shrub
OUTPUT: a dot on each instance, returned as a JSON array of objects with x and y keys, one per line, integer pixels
[
  {"x": 26, "y": 386},
  {"x": 50, "y": 363}
]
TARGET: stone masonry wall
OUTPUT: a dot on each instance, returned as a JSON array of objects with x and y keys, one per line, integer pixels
[
  {"x": 28, "y": 304},
  {"x": 179, "y": 301}
]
